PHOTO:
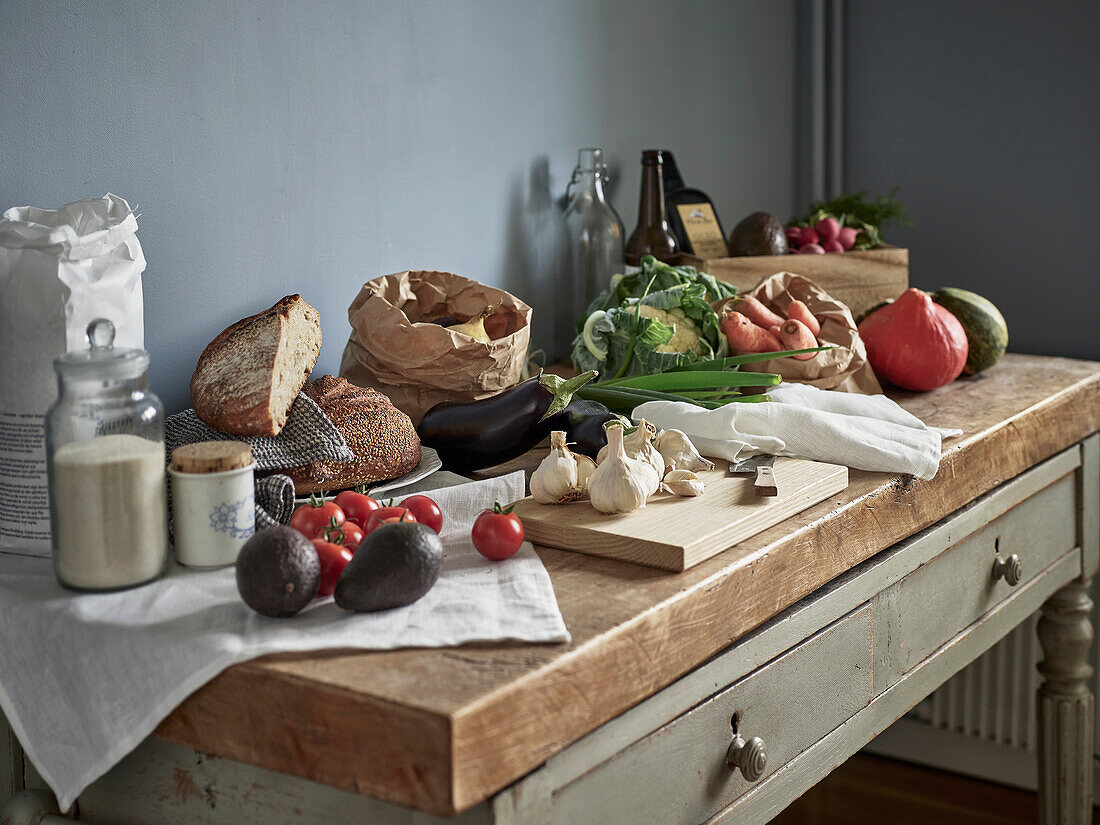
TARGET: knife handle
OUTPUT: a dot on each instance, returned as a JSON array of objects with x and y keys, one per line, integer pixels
[{"x": 765, "y": 482}]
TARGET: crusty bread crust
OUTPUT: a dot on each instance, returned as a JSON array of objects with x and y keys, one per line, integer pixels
[
  {"x": 382, "y": 437},
  {"x": 216, "y": 392}
]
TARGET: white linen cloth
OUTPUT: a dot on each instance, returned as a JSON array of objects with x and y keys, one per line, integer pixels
[
  {"x": 867, "y": 432},
  {"x": 84, "y": 678}
]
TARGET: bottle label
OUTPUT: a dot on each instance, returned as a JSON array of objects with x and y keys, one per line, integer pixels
[{"x": 701, "y": 228}]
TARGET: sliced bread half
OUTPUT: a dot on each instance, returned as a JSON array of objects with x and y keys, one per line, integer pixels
[{"x": 248, "y": 377}]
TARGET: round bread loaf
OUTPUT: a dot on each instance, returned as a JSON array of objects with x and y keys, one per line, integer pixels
[{"x": 382, "y": 437}]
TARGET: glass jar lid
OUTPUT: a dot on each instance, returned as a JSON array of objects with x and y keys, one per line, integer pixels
[{"x": 101, "y": 359}]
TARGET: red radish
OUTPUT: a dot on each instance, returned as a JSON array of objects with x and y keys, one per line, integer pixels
[
  {"x": 755, "y": 311},
  {"x": 807, "y": 235},
  {"x": 847, "y": 237},
  {"x": 793, "y": 233},
  {"x": 796, "y": 335},
  {"x": 798, "y": 311},
  {"x": 745, "y": 336},
  {"x": 827, "y": 228},
  {"x": 833, "y": 245},
  {"x": 811, "y": 249}
]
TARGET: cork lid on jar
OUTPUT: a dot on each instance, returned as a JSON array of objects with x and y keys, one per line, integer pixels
[{"x": 211, "y": 457}]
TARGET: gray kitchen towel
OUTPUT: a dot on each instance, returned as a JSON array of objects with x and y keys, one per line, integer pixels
[
  {"x": 274, "y": 501},
  {"x": 308, "y": 436}
]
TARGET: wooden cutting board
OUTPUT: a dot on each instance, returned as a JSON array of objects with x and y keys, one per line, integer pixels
[{"x": 675, "y": 533}]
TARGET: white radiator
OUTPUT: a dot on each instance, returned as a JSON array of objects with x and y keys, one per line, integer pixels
[{"x": 982, "y": 721}]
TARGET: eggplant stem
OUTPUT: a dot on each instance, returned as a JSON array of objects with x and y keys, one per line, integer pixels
[{"x": 563, "y": 389}]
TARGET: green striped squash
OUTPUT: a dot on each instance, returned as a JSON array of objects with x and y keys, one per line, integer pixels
[{"x": 986, "y": 330}]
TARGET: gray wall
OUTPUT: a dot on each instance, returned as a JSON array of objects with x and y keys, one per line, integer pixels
[
  {"x": 987, "y": 116},
  {"x": 304, "y": 146}
]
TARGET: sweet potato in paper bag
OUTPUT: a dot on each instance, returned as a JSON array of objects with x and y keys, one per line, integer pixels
[
  {"x": 395, "y": 348},
  {"x": 844, "y": 367}
]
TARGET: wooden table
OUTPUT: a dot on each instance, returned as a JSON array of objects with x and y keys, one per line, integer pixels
[{"x": 813, "y": 636}]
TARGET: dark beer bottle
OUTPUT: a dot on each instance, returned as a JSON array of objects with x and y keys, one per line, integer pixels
[{"x": 652, "y": 235}]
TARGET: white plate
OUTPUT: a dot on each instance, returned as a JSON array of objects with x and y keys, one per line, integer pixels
[{"x": 429, "y": 463}]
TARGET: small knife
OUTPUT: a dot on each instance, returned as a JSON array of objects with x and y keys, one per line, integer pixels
[{"x": 761, "y": 465}]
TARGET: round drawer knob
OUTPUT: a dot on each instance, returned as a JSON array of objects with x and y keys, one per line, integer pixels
[
  {"x": 749, "y": 755},
  {"x": 1011, "y": 569}
]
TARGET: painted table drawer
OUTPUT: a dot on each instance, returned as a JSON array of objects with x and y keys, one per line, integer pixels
[
  {"x": 678, "y": 773},
  {"x": 960, "y": 586}
]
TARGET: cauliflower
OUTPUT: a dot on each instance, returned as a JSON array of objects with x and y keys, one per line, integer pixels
[{"x": 686, "y": 335}]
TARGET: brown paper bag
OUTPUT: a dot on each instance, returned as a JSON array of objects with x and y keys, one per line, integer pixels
[
  {"x": 844, "y": 367},
  {"x": 396, "y": 349}
]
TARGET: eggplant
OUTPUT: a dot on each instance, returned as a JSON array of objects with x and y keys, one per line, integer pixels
[
  {"x": 493, "y": 430},
  {"x": 583, "y": 423}
]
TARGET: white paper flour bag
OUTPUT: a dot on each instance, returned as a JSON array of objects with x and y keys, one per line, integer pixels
[{"x": 59, "y": 270}]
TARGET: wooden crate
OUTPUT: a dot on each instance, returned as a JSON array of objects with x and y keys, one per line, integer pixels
[{"x": 859, "y": 279}]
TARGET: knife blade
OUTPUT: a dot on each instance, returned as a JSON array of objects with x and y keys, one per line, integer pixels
[{"x": 764, "y": 484}]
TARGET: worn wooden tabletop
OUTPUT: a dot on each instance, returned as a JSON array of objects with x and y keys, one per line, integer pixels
[{"x": 439, "y": 730}]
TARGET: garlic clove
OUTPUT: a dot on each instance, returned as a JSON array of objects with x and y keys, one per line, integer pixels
[
  {"x": 585, "y": 468},
  {"x": 682, "y": 483},
  {"x": 679, "y": 453}
]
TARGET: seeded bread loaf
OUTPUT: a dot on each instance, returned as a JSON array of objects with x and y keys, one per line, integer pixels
[
  {"x": 248, "y": 377},
  {"x": 382, "y": 437}
]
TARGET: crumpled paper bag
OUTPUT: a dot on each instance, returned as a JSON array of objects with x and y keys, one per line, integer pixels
[
  {"x": 844, "y": 367},
  {"x": 396, "y": 349}
]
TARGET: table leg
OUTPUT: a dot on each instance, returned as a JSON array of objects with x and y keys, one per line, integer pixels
[{"x": 1066, "y": 708}]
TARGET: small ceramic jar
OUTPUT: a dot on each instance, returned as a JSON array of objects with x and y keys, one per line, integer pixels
[{"x": 213, "y": 502}]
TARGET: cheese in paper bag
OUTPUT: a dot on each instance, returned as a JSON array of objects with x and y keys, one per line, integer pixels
[
  {"x": 395, "y": 348},
  {"x": 844, "y": 367}
]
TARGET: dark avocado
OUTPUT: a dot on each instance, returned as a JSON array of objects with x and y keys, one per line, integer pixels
[
  {"x": 278, "y": 571},
  {"x": 759, "y": 234},
  {"x": 394, "y": 566}
]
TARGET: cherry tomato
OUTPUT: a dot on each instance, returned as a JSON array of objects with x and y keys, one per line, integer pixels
[
  {"x": 356, "y": 506},
  {"x": 425, "y": 510},
  {"x": 334, "y": 558},
  {"x": 497, "y": 533},
  {"x": 313, "y": 517},
  {"x": 348, "y": 534},
  {"x": 387, "y": 515}
]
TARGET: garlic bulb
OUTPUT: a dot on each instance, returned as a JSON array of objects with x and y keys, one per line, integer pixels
[
  {"x": 562, "y": 476},
  {"x": 639, "y": 445},
  {"x": 682, "y": 483},
  {"x": 679, "y": 453},
  {"x": 620, "y": 483}
]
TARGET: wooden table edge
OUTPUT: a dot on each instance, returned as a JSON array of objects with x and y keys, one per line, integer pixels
[{"x": 455, "y": 732}]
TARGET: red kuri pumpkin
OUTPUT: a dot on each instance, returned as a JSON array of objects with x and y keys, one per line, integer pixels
[{"x": 915, "y": 343}]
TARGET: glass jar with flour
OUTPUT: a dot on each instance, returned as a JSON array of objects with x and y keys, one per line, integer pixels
[{"x": 105, "y": 450}]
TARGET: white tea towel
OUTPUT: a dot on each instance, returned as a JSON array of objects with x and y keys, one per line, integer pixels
[
  {"x": 86, "y": 677},
  {"x": 867, "y": 432}
]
